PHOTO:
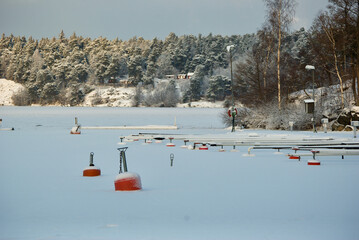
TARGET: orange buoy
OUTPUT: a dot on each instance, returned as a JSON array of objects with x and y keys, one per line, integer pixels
[
  {"x": 91, "y": 171},
  {"x": 203, "y": 147},
  {"x": 75, "y": 130},
  {"x": 313, "y": 162},
  {"x": 128, "y": 182},
  {"x": 170, "y": 144},
  {"x": 294, "y": 157}
]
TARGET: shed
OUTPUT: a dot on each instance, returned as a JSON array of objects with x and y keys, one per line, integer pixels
[{"x": 309, "y": 105}]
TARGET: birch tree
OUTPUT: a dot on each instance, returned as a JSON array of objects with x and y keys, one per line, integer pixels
[{"x": 280, "y": 14}]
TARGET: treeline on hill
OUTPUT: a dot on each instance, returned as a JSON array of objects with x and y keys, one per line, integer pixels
[
  {"x": 268, "y": 65},
  {"x": 63, "y": 69}
]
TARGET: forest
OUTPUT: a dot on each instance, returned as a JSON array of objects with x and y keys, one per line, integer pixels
[{"x": 267, "y": 65}]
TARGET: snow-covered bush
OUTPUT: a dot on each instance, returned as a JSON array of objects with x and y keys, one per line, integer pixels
[
  {"x": 164, "y": 95},
  {"x": 21, "y": 98},
  {"x": 267, "y": 116},
  {"x": 97, "y": 99}
]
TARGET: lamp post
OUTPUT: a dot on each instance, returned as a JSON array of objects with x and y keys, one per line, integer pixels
[
  {"x": 233, "y": 112},
  {"x": 312, "y": 68}
]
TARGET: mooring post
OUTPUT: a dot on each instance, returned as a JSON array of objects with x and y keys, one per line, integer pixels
[
  {"x": 172, "y": 156},
  {"x": 355, "y": 124},
  {"x": 123, "y": 159},
  {"x": 91, "y": 159}
]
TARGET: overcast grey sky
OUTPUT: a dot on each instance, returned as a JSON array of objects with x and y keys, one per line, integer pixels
[{"x": 142, "y": 18}]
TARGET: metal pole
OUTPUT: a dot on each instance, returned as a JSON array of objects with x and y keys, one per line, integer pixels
[
  {"x": 314, "y": 128},
  {"x": 172, "y": 156},
  {"x": 355, "y": 132},
  {"x": 123, "y": 159},
  {"x": 233, "y": 114},
  {"x": 91, "y": 159}
]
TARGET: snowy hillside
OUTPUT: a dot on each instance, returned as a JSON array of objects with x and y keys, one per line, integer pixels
[
  {"x": 7, "y": 89},
  {"x": 102, "y": 96},
  {"x": 110, "y": 97}
]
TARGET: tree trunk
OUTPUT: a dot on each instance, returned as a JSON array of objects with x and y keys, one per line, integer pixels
[
  {"x": 278, "y": 56},
  {"x": 329, "y": 32},
  {"x": 357, "y": 57},
  {"x": 354, "y": 79},
  {"x": 338, "y": 74},
  {"x": 269, "y": 50}
]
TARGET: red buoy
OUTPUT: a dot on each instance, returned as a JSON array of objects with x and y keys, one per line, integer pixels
[
  {"x": 91, "y": 171},
  {"x": 128, "y": 182},
  {"x": 170, "y": 144},
  {"x": 203, "y": 147},
  {"x": 313, "y": 162},
  {"x": 294, "y": 157},
  {"x": 75, "y": 130}
]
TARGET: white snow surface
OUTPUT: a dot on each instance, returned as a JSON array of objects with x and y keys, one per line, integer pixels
[
  {"x": 7, "y": 89},
  {"x": 205, "y": 195}
]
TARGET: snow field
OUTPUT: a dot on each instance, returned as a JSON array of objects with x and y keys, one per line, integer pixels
[{"x": 205, "y": 195}]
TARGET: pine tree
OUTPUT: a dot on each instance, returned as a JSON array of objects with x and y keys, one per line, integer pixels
[{"x": 219, "y": 87}]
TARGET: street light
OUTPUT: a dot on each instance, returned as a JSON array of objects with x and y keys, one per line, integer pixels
[
  {"x": 312, "y": 68},
  {"x": 233, "y": 112}
]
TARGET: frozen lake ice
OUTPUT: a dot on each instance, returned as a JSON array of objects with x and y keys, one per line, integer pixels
[{"x": 205, "y": 195}]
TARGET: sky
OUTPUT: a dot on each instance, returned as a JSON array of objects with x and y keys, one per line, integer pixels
[{"x": 125, "y": 19}]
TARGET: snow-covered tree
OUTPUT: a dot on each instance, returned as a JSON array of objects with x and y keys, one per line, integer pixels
[{"x": 219, "y": 87}]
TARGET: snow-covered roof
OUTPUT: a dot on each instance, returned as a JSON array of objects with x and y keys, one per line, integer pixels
[{"x": 308, "y": 100}]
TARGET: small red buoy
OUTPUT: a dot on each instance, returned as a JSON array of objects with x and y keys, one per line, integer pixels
[
  {"x": 313, "y": 162},
  {"x": 75, "y": 130},
  {"x": 294, "y": 157},
  {"x": 170, "y": 144},
  {"x": 91, "y": 171},
  {"x": 203, "y": 147},
  {"x": 128, "y": 182}
]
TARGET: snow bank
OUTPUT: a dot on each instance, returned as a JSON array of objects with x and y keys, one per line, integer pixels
[
  {"x": 110, "y": 97},
  {"x": 202, "y": 104},
  {"x": 8, "y": 88}
]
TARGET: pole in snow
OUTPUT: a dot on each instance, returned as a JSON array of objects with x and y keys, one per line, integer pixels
[
  {"x": 172, "y": 156},
  {"x": 230, "y": 59}
]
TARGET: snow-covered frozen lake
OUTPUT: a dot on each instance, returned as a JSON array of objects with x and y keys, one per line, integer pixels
[{"x": 205, "y": 195}]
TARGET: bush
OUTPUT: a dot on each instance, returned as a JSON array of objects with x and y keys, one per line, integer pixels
[
  {"x": 21, "y": 98},
  {"x": 97, "y": 99},
  {"x": 165, "y": 95},
  {"x": 268, "y": 116}
]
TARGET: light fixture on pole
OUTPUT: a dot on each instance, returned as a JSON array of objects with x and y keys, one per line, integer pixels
[
  {"x": 312, "y": 68},
  {"x": 233, "y": 111}
]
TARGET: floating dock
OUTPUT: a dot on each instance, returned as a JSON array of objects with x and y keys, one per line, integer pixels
[{"x": 146, "y": 127}]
